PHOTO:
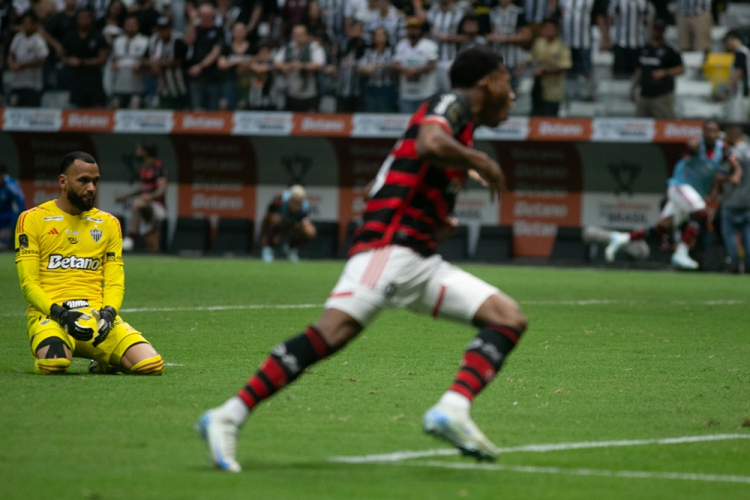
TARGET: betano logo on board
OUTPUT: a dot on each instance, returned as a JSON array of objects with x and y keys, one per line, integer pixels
[
  {"x": 319, "y": 124},
  {"x": 208, "y": 123}
]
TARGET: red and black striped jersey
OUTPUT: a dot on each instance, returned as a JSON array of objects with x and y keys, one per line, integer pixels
[
  {"x": 411, "y": 199},
  {"x": 149, "y": 175}
]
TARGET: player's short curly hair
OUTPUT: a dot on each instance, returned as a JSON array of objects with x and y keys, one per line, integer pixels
[
  {"x": 71, "y": 157},
  {"x": 471, "y": 65}
]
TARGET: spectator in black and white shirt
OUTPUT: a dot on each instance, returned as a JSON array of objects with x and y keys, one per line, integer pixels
[
  {"x": 631, "y": 24},
  {"x": 739, "y": 91},
  {"x": 126, "y": 62},
  {"x": 333, "y": 16},
  {"x": 167, "y": 53},
  {"x": 349, "y": 81},
  {"x": 510, "y": 32},
  {"x": 262, "y": 95},
  {"x": 300, "y": 62},
  {"x": 390, "y": 19},
  {"x": 536, "y": 11},
  {"x": 26, "y": 56},
  {"x": 444, "y": 18},
  {"x": 577, "y": 18},
  {"x": 377, "y": 66}
]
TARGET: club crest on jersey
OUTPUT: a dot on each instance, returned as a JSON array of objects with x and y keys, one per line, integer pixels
[{"x": 96, "y": 235}]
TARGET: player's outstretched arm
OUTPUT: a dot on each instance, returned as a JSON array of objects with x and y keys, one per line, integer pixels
[{"x": 440, "y": 149}]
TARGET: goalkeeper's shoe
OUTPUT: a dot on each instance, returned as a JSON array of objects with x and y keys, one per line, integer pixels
[
  {"x": 456, "y": 427},
  {"x": 220, "y": 434}
]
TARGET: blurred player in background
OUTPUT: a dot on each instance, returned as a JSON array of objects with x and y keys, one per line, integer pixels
[
  {"x": 148, "y": 209},
  {"x": 287, "y": 224},
  {"x": 69, "y": 261},
  {"x": 691, "y": 181},
  {"x": 393, "y": 264},
  {"x": 735, "y": 208},
  {"x": 11, "y": 205}
]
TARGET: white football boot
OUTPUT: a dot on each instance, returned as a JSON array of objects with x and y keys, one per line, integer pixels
[
  {"x": 456, "y": 427},
  {"x": 681, "y": 258},
  {"x": 616, "y": 241},
  {"x": 266, "y": 255},
  {"x": 293, "y": 255},
  {"x": 220, "y": 434}
]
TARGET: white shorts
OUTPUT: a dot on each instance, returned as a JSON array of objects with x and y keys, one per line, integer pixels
[
  {"x": 683, "y": 200},
  {"x": 160, "y": 213},
  {"x": 394, "y": 277}
]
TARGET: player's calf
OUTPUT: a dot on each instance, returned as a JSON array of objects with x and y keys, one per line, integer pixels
[
  {"x": 141, "y": 359},
  {"x": 53, "y": 357},
  {"x": 149, "y": 366}
]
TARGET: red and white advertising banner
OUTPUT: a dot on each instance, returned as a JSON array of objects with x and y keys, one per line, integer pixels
[
  {"x": 678, "y": 131},
  {"x": 544, "y": 182},
  {"x": 251, "y": 123},
  {"x": 321, "y": 124},
  {"x": 217, "y": 177},
  {"x": 144, "y": 122},
  {"x": 31, "y": 120},
  {"x": 379, "y": 125},
  {"x": 515, "y": 129},
  {"x": 623, "y": 130},
  {"x": 87, "y": 121},
  {"x": 559, "y": 129},
  {"x": 202, "y": 123}
]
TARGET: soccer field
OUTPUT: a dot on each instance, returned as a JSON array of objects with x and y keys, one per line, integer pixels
[{"x": 630, "y": 384}]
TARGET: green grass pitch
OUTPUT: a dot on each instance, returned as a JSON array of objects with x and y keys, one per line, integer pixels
[{"x": 654, "y": 355}]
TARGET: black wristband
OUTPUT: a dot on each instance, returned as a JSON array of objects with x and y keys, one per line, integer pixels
[{"x": 55, "y": 311}]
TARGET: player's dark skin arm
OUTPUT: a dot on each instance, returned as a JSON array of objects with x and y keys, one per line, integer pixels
[{"x": 442, "y": 150}]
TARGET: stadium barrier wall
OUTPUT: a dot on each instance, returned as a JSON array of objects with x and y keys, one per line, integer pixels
[{"x": 561, "y": 172}]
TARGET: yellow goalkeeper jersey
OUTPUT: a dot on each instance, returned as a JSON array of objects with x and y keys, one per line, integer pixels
[{"x": 62, "y": 257}]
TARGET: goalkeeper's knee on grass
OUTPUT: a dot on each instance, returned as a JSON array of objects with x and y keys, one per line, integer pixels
[
  {"x": 51, "y": 366},
  {"x": 148, "y": 366}
]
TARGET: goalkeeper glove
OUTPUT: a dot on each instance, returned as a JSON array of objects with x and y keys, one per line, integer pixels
[
  {"x": 104, "y": 319},
  {"x": 69, "y": 320}
]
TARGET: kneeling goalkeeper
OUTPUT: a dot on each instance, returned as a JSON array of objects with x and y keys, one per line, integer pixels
[{"x": 69, "y": 260}]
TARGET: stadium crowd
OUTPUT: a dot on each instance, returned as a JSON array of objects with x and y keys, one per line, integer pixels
[{"x": 341, "y": 56}]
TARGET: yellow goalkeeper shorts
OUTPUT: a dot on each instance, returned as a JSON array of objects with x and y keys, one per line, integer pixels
[{"x": 120, "y": 339}]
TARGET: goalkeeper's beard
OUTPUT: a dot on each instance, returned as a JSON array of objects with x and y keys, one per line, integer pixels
[{"x": 79, "y": 202}]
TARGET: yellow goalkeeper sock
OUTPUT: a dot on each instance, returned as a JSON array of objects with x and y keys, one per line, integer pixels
[
  {"x": 148, "y": 366},
  {"x": 52, "y": 366}
]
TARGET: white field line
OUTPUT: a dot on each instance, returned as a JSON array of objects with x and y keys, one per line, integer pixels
[
  {"x": 242, "y": 307},
  {"x": 401, "y": 456},
  {"x": 630, "y": 474}
]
